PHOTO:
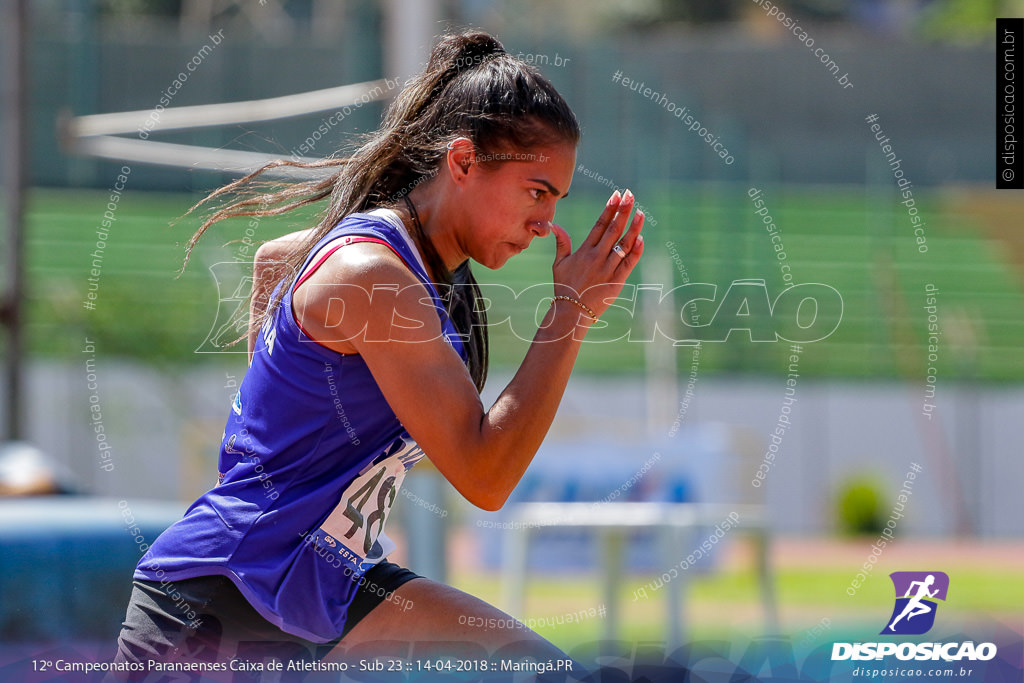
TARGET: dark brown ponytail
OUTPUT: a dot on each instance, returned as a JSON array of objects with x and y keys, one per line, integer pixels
[{"x": 470, "y": 88}]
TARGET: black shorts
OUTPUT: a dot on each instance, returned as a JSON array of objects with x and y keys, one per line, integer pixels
[{"x": 209, "y": 620}]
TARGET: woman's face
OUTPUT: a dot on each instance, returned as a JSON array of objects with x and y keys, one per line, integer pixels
[{"x": 510, "y": 198}]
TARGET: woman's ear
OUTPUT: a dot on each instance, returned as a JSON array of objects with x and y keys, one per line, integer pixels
[{"x": 461, "y": 157}]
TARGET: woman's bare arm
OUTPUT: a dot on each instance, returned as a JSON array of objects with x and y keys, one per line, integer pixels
[
  {"x": 364, "y": 299},
  {"x": 268, "y": 269}
]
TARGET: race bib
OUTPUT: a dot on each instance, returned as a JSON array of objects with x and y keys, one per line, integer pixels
[{"x": 352, "y": 530}]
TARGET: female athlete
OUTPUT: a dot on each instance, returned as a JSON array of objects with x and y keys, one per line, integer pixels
[{"x": 371, "y": 353}]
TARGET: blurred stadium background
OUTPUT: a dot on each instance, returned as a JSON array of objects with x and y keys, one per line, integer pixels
[{"x": 152, "y": 339}]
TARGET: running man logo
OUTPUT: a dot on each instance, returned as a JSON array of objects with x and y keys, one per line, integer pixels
[{"x": 914, "y": 612}]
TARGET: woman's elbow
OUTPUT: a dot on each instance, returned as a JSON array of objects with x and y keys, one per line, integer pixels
[
  {"x": 480, "y": 476},
  {"x": 490, "y": 503},
  {"x": 489, "y": 498}
]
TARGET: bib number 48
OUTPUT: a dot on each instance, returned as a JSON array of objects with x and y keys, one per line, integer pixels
[
  {"x": 379, "y": 491},
  {"x": 352, "y": 529}
]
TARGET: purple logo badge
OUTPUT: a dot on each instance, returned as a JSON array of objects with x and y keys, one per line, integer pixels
[{"x": 916, "y": 595}]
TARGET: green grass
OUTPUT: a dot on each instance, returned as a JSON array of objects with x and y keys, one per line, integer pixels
[
  {"x": 143, "y": 307},
  {"x": 860, "y": 247}
]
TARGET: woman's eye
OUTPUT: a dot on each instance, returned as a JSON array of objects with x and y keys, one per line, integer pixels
[{"x": 536, "y": 193}]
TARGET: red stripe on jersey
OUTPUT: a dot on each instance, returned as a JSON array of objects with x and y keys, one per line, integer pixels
[{"x": 313, "y": 268}]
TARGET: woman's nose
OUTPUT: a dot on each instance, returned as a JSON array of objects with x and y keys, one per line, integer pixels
[{"x": 540, "y": 228}]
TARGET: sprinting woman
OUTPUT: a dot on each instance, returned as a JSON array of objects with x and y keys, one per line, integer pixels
[{"x": 369, "y": 355}]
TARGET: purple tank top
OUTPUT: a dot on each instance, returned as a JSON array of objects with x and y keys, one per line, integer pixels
[{"x": 310, "y": 464}]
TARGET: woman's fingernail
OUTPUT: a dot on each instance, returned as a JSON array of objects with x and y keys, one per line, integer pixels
[
  {"x": 614, "y": 199},
  {"x": 628, "y": 196},
  {"x": 640, "y": 239}
]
